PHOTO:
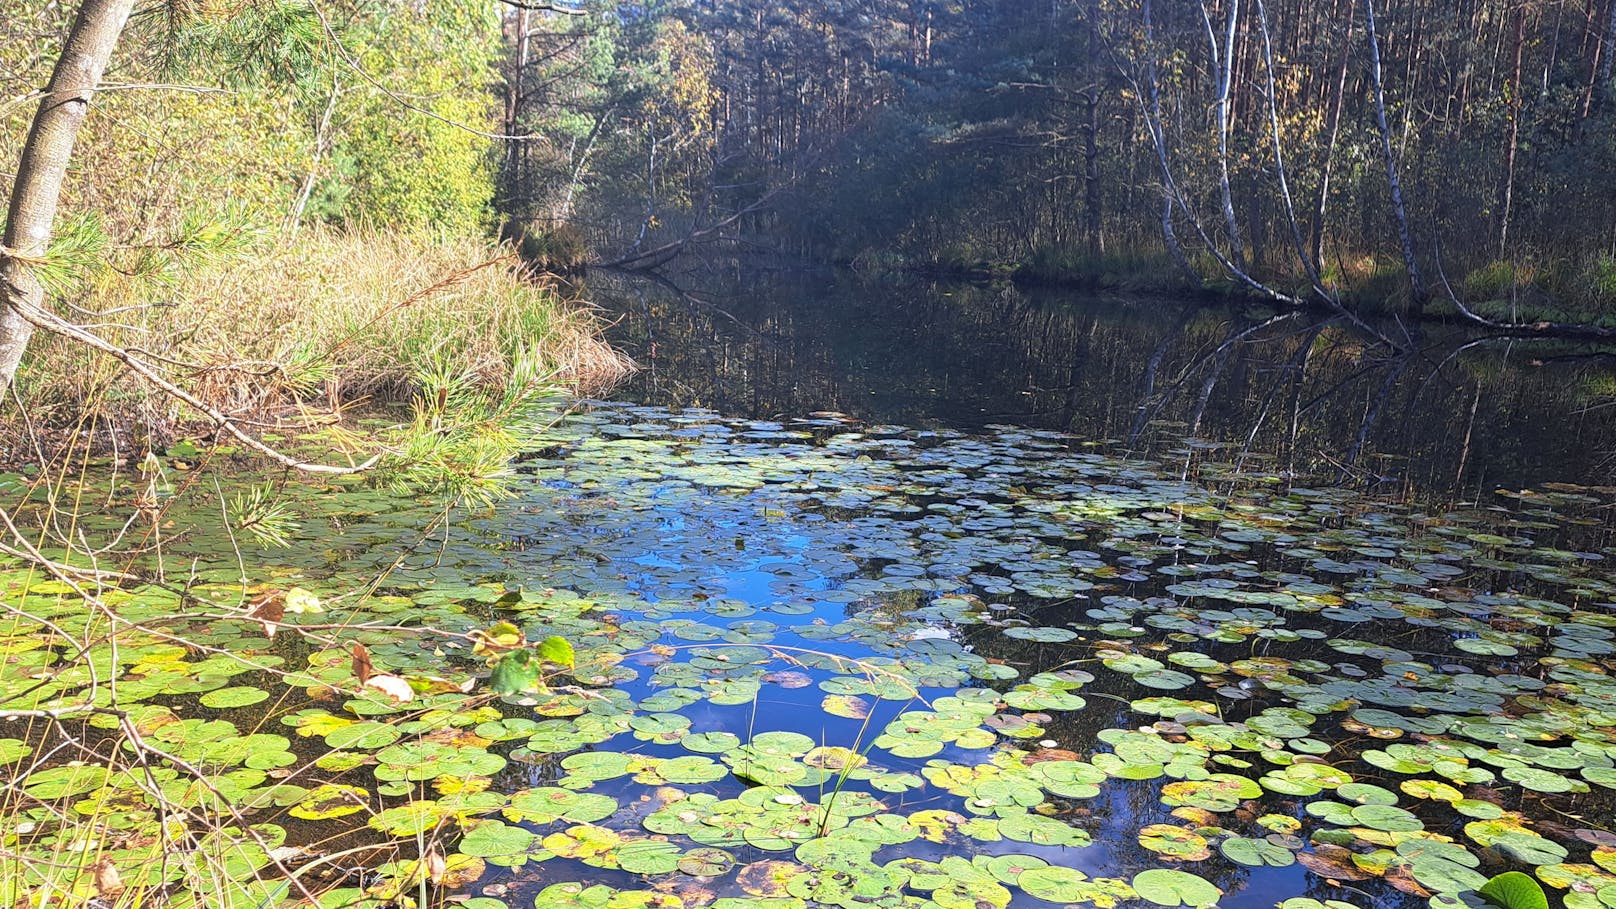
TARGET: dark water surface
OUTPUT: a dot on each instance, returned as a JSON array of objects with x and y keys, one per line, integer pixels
[{"x": 1457, "y": 416}]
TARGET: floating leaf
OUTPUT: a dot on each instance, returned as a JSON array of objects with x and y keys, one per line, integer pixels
[
  {"x": 363, "y": 736},
  {"x": 706, "y": 862},
  {"x": 1174, "y": 841},
  {"x": 299, "y": 602},
  {"x": 240, "y": 696},
  {"x": 330, "y": 801},
  {"x": 851, "y": 707},
  {"x": 497, "y": 840},
  {"x": 768, "y": 879},
  {"x": 1514, "y": 890},
  {"x": 1042, "y": 831},
  {"x": 1042, "y": 635},
  {"x": 590, "y": 843},
  {"x": 547, "y": 804},
  {"x": 516, "y": 672},
  {"x": 1256, "y": 852},
  {"x": 399, "y": 690},
  {"x": 643, "y": 856},
  {"x": 1166, "y": 887}
]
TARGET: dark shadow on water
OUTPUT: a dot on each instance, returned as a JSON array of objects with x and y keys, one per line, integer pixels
[{"x": 1298, "y": 393}]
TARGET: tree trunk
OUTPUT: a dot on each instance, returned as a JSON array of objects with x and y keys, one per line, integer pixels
[
  {"x": 1225, "y": 75},
  {"x": 1591, "y": 32},
  {"x": 1091, "y": 174},
  {"x": 43, "y": 166},
  {"x": 1332, "y": 133},
  {"x": 1603, "y": 83},
  {"x": 322, "y": 147},
  {"x": 1399, "y": 211},
  {"x": 1092, "y": 214},
  {"x": 1514, "y": 100},
  {"x": 1309, "y": 262},
  {"x": 1159, "y": 139},
  {"x": 1610, "y": 52},
  {"x": 514, "y": 152}
]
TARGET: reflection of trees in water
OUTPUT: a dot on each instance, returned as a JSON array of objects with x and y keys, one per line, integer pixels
[{"x": 1290, "y": 391}]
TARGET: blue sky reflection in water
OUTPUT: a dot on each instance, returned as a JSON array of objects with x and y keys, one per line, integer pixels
[{"x": 1308, "y": 641}]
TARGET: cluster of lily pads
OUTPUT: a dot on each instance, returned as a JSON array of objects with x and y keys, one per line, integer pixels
[{"x": 825, "y": 664}]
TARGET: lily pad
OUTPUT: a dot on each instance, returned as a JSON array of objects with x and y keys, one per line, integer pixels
[{"x": 1167, "y": 887}]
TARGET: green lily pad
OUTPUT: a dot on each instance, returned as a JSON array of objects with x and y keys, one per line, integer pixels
[
  {"x": 1255, "y": 852},
  {"x": 1514, "y": 890},
  {"x": 647, "y": 857},
  {"x": 365, "y": 736},
  {"x": 491, "y": 838},
  {"x": 706, "y": 862},
  {"x": 1166, "y": 887},
  {"x": 239, "y": 696},
  {"x": 1055, "y": 884},
  {"x": 331, "y": 800}
]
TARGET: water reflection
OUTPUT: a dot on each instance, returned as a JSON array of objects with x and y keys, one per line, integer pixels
[{"x": 1298, "y": 393}]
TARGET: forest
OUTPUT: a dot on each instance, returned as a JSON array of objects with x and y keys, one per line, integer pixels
[
  {"x": 808, "y": 454},
  {"x": 1395, "y": 158}
]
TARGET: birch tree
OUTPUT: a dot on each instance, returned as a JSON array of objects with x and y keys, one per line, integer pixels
[{"x": 36, "y": 192}]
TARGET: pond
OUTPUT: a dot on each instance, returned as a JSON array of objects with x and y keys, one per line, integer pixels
[
  {"x": 835, "y": 615},
  {"x": 1458, "y": 415}
]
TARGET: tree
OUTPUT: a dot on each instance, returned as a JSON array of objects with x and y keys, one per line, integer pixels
[
  {"x": 991, "y": 134},
  {"x": 286, "y": 50},
  {"x": 36, "y": 191}
]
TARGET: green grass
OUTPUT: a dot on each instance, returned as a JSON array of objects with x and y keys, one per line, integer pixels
[
  {"x": 1570, "y": 290},
  {"x": 1495, "y": 280},
  {"x": 1128, "y": 270}
]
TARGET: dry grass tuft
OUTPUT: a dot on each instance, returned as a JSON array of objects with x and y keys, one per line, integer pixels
[{"x": 329, "y": 318}]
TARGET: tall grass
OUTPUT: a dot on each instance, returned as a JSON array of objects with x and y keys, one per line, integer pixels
[
  {"x": 327, "y": 317},
  {"x": 1130, "y": 269}
]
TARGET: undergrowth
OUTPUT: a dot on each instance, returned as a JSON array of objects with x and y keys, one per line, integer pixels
[{"x": 327, "y": 319}]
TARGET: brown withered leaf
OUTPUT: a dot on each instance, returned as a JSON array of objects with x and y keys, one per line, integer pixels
[
  {"x": 1332, "y": 863},
  {"x": 789, "y": 678},
  {"x": 768, "y": 878},
  {"x": 268, "y": 609},
  {"x": 107, "y": 880},
  {"x": 435, "y": 865},
  {"x": 1402, "y": 877},
  {"x": 362, "y": 668}
]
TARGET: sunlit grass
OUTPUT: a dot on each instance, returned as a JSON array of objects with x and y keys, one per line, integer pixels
[{"x": 327, "y": 317}]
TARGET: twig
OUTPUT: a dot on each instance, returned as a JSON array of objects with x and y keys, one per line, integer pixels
[{"x": 40, "y": 318}]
